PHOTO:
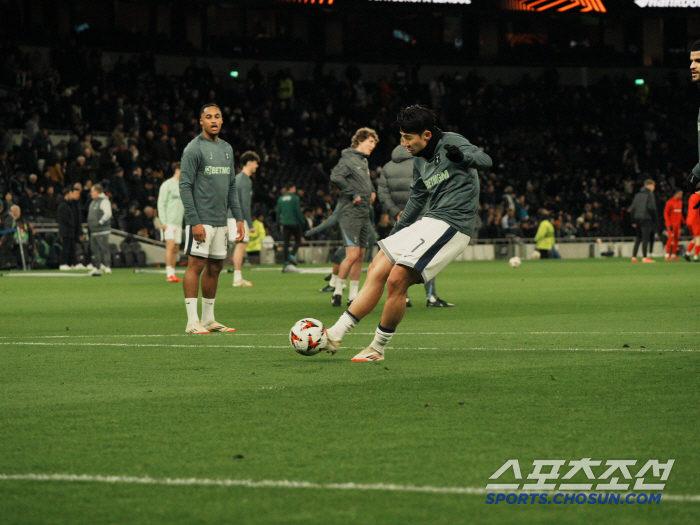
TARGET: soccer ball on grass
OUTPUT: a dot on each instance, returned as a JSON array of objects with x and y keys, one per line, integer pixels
[
  {"x": 308, "y": 336},
  {"x": 514, "y": 262}
]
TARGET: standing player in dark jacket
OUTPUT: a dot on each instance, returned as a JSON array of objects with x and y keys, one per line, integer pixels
[
  {"x": 445, "y": 176},
  {"x": 644, "y": 218},
  {"x": 68, "y": 229},
  {"x": 351, "y": 176},
  {"x": 394, "y": 189},
  {"x": 208, "y": 191}
]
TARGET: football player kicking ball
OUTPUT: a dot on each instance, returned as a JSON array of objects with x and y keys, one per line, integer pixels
[
  {"x": 444, "y": 176},
  {"x": 208, "y": 191}
]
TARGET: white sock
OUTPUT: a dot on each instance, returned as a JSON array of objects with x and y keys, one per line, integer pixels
[
  {"x": 334, "y": 280},
  {"x": 354, "y": 286},
  {"x": 207, "y": 310},
  {"x": 339, "y": 287},
  {"x": 170, "y": 271},
  {"x": 345, "y": 323},
  {"x": 191, "y": 306},
  {"x": 237, "y": 276},
  {"x": 382, "y": 336}
]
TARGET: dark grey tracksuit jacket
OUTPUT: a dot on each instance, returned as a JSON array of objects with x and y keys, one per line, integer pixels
[
  {"x": 644, "y": 207},
  {"x": 351, "y": 176}
]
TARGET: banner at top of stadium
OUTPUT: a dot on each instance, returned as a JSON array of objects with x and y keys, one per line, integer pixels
[
  {"x": 533, "y": 6},
  {"x": 667, "y": 3},
  {"x": 582, "y": 6}
]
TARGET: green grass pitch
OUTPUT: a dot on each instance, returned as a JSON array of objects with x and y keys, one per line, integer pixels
[{"x": 553, "y": 360}]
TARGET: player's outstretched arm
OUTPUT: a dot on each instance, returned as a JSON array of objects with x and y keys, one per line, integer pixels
[
  {"x": 331, "y": 221},
  {"x": 468, "y": 154}
]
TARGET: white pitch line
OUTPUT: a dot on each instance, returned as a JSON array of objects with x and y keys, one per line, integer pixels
[
  {"x": 473, "y": 348},
  {"x": 241, "y": 334},
  {"x": 29, "y": 343},
  {"x": 283, "y": 484}
]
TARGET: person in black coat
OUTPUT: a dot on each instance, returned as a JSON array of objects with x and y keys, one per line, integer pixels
[{"x": 68, "y": 228}]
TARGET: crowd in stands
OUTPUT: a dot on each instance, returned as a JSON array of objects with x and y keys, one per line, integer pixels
[{"x": 579, "y": 152}]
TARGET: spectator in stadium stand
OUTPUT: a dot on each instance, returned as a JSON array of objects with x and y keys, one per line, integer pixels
[
  {"x": 509, "y": 224},
  {"x": 48, "y": 203},
  {"x": 77, "y": 202},
  {"x": 119, "y": 189},
  {"x": 538, "y": 145},
  {"x": 17, "y": 230}
]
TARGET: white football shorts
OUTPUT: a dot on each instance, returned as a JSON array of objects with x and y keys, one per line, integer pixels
[
  {"x": 173, "y": 233},
  {"x": 214, "y": 246},
  {"x": 233, "y": 232},
  {"x": 427, "y": 246}
]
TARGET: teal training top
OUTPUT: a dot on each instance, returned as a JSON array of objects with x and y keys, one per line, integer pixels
[
  {"x": 450, "y": 190},
  {"x": 208, "y": 182}
]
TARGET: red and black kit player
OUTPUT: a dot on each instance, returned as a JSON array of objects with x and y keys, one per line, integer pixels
[
  {"x": 673, "y": 217},
  {"x": 693, "y": 222}
]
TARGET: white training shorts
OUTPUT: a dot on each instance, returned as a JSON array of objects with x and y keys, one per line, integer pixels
[
  {"x": 214, "y": 246},
  {"x": 427, "y": 246},
  {"x": 233, "y": 231},
  {"x": 173, "y": 233}
]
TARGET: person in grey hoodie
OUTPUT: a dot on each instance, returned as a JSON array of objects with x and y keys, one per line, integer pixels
[
  {"x": 644, "y": 218},
  {"x": 394, "y": 188},
  {"x": 351, "y": 176},
  {"x": 99, "y": 219}
]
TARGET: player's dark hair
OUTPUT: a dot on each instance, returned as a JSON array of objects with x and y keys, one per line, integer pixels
[
  {"x": 416, "y": 119},
  {"x": 66, "y": 191},
  {"x": 695, "y": 46},
  {"x": 290, "y": 185},
  {"x": 209, "y": 105},
  {"x": 249, "y": 156}
]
